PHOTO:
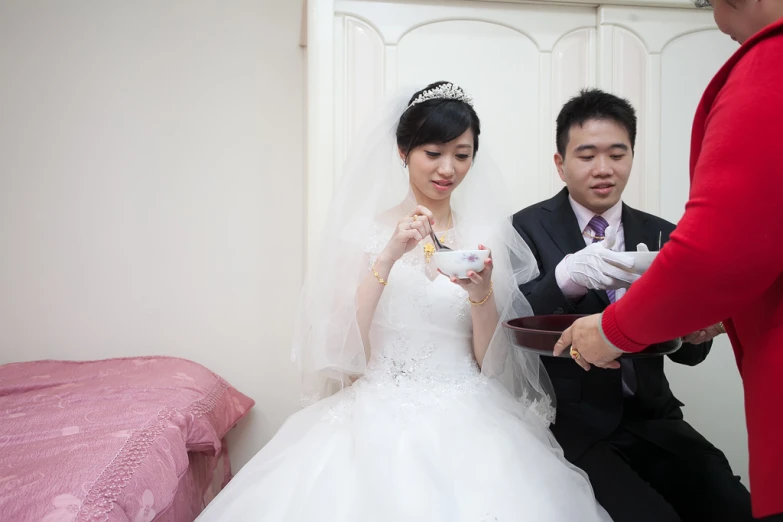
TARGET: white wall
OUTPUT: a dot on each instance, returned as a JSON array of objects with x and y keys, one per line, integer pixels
[{"x": 139, "y": 146}]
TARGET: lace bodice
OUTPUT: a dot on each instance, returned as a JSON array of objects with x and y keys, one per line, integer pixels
[
  {"x": 422, "y": 330},
  {"x": 421, "y": 341}
]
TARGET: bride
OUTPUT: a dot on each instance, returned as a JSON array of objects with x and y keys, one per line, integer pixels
[{"x": 421, "y": 410}]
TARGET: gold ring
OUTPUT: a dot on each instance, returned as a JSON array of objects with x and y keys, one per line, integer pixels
[{"x": 574, "y": 354}]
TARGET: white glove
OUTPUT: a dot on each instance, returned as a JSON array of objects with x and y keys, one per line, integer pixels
[{"x": 590, "y": 268}]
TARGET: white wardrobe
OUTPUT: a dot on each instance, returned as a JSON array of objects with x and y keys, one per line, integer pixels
[{"x": 521, "y": 61}]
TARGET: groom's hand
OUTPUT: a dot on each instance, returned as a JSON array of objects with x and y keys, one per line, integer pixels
[{"x": 597, "y": 267}]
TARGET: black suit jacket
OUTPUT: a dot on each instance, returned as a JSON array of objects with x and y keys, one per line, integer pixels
[{"x": 591, "y": 405}]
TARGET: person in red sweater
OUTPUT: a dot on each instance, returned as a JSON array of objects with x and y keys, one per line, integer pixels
[{"x": 728, "y": 247}]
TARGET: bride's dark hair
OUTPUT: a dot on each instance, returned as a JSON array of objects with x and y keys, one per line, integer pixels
[{"x": 436, "y": 121}]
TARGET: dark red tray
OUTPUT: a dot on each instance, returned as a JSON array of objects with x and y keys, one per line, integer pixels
[{"x": 539, "y": 333}]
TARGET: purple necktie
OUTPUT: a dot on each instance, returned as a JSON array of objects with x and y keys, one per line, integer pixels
[{"x": 598, "y": 225}]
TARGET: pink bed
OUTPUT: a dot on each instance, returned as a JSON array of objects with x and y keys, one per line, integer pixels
[{"x": 136, "y": 439}]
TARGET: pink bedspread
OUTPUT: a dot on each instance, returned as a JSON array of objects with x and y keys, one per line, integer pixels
[
  {"x": 108, "y": 440},
  {"x": 204, "y": 479}
]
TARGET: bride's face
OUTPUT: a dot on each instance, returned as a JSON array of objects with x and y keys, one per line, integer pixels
[{"x": 437, "y": 169}]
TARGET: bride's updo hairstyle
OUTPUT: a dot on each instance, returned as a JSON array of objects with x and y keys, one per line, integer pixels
[{"x": 437, "y": 114}]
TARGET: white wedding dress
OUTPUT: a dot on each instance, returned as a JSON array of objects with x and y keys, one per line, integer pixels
[{"x": 422, "y": 436}]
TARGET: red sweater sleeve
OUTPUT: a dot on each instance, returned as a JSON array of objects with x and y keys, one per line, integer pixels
[{"x": 728, "y": 246}]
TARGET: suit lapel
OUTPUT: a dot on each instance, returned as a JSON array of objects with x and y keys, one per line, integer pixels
[
  {"x": 635, "y": 231},
  {"x": 562, "y": 226}
]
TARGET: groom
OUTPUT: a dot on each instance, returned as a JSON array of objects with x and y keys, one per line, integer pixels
[{"x": 623, "y": 427}]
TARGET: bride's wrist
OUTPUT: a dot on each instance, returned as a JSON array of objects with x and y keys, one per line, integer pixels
[
  {"x": 384, "y": 262},
  {"x": 480, "y": 296}
]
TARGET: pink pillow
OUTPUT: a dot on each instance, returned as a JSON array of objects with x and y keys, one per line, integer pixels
[{"x": 214, "y": 416}]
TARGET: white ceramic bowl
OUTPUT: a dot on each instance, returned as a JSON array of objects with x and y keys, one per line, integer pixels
[
  {"x": 457, "y": 263},
  {"x": 642, "y": 261}
]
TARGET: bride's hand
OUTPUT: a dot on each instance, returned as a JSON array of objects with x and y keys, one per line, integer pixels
[
  {"x": 478, "y": 284},
  {"x": 409, "y": 232}
]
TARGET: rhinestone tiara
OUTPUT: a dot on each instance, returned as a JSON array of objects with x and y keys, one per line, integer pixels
[{"x": 447, "y": 91}]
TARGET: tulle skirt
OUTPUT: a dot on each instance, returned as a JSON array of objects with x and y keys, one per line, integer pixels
[{"x": 384, "y": 452}]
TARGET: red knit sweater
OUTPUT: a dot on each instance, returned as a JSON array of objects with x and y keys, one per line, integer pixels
[{"x": 727, "y": 250}]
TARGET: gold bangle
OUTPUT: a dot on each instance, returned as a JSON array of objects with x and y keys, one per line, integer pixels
[
  {"x": 378, "y": 276},
  {"x": 721, "y": 327},
  {"x": 474, "y": 303}
]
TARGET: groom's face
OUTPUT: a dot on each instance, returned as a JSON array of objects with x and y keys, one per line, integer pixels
[{"x": 597, "y": 162}]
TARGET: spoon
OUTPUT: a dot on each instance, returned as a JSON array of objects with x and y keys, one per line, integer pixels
[{"x": 438, "y": 245}]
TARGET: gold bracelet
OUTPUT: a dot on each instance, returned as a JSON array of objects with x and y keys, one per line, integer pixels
[
  {"x": 721, "y": 327},
  {"x": 474, "y": 303},
  {"x": 378, "y": 276}
]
